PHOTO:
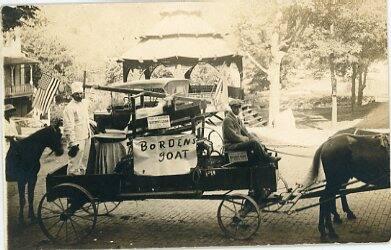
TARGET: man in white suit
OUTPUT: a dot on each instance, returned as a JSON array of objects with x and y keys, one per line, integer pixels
[{"x": 77, "y": 131}]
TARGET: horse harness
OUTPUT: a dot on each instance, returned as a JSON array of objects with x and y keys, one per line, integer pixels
[{"x": 384, "y": 141}]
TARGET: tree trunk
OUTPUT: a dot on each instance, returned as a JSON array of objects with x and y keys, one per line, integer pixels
[
  {"x": 333, "y": 90},
  {"x": 361, "y": 85},
  {"x": 353, "y": 89},
  {"x": 274, "y": 95},
  {"x": 274, "y": 78}
]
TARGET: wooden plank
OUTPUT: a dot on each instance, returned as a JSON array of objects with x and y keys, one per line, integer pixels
[{"x": 145, "y": 93}]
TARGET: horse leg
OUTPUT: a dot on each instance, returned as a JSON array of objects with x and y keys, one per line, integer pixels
[
  {"x": 22, "y": 200},
  {"x": 321, "y": 227},
  {"x": 329, "y": 224},
  {"x": 345, "y": 206},
  {"x": 329, "y": 201},
  {"x": 31, "y": 188},
  {"x": 336, "y": 218}
]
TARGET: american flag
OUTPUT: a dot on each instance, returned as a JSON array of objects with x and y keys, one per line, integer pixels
[{"x": 47, "y": 88}]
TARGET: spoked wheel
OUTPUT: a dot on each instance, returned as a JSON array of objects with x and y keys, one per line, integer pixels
[
  {"x": 238, "y": 216},
  {"x": 103, "y": 208},
  {"x": 62, "y": 214}
]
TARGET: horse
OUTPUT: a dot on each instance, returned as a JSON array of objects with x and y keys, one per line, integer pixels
[
  {"x": 345, "y": 206},
  {"x": 344, "y": 156},
  {"x": 22, "y": 163}
]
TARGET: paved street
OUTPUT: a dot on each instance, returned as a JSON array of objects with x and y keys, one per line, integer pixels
[{"x": 176, "y": 223}]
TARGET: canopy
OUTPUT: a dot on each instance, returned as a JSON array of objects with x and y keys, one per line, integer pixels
[
  {"x": 378, "y": 118},
  {"x": 181, "y": 37},
  {"x": 168, "y": 85}
]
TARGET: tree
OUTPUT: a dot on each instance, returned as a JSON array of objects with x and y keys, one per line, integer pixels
[
  {"x": 347, "y": 34},
  {"x": 17, "y": 16},
  {"x": 278, "y": 26},
  {"x": 326, "y": 43},
  {"x": 113, "y": 71},
  {"x": 55, "y": 59},
  {"x": 371, "y": 33}
]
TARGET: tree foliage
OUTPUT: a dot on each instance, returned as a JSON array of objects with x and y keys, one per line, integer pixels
[
  {"x": 359, "y": 32},
  {"x": 17, "y": 16},
  {"x": 55, "y": 58},
  {"x": 354, "y": 32},
  {"x": 113, "y": 71},
  {"x": 270, "y": 28}
]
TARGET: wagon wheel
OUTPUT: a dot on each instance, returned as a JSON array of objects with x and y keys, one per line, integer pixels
[
  {"x": 103, "y": 208},
  {"x": 62, "y": 214},
  {"x": 238, "y": 216}
]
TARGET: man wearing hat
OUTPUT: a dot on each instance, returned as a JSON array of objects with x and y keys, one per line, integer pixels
[
  {"x": 10, "y": 131},
  {"x": 77, "y": 131},
  {"x": 237, "y": 138}
]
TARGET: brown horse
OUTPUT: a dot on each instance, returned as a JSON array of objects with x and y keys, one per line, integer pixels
[
  {"x": 344, "y": 156},
  {"x": 345, "y": 206},
  {"x": 22, "y": 163}
]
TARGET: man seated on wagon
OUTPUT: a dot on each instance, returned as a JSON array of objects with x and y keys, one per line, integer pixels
[{"x": 237, "y": 138}]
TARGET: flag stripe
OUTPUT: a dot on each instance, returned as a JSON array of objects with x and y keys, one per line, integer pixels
[
  {"x": 47, "y": 88},
  {"x": 48, "y": 95},
  {"x": 37, "y": 98},
  {"x": 51, "y": 91}
]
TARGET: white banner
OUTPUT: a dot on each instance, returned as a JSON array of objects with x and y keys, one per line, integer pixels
[{"x": 164, "y": 155}]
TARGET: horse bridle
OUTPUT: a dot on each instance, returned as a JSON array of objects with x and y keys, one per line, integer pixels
[
  {"x": 384, "y": 140},
  {"x": 54, "y": 128}
]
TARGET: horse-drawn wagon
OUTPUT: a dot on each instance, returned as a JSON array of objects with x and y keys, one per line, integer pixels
[{"x": 171, "y": 156}]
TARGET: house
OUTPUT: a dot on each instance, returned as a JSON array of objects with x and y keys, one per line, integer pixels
[{"x": 18, "y": 72}]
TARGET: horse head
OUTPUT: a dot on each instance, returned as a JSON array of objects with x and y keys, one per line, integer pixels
[
  {"x": 54, "y": 141},
  {"x": 385, "y": 141}
]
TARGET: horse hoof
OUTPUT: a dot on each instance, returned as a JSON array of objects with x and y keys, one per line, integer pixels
[
  {"x": 333, "y": 236},
  {"x": 323, "y": 238},
  {"x": 21, "y": 222},
  {"x": 351, "y": 216},
  {"x": 33, "y": 220},
  {"x": 337, "y": 220}
]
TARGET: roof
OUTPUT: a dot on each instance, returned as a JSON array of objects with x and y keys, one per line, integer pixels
[
  {"x": 175, "y": 47},
  {"x": 19, "y": 60},
  {"x": 13, "y": 55},
  {"x": 180, "y": 35}
]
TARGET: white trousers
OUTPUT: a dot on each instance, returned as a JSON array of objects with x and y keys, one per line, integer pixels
[{"x": 78, "y": 165}]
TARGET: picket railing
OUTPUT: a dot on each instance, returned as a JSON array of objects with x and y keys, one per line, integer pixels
[{"x": 18, "y": 90}]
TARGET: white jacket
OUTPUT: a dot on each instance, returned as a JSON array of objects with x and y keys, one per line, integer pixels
[
  {"x": 76, "y": 122},
  {"x": 9, "y": 130}
]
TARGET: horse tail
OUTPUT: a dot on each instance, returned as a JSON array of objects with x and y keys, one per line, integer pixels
[{"x": 314, "y": 171}]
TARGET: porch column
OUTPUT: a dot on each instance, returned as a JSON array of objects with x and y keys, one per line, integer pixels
[
  {"x": 12, "y": 75},
  {"x": 22, "y": 74},
  {"x": 31, "y": 74}
]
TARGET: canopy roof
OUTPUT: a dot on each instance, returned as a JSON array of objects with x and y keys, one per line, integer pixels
[
  {"x": 13, "y": 55},
  {"x": 19, "y": 60},
  {"x": 150, "y": 83},
  {"x": 181, "y": 37},
  {"x": 176, "y": 47},
  {"x": 378, "y": 118}
]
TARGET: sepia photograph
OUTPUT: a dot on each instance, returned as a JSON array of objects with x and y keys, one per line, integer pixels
[{"x": 189, "y": 124}]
